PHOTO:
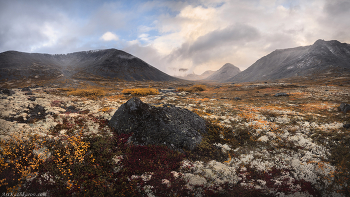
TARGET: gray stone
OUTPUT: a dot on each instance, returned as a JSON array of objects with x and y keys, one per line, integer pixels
[
  {"x": 168, "y": 125},
  {"x": 32, "y": 98},
  {"x": 347, "y": 126},
  {"x": 26, "y": 89},
  {"x": 344, "y": 107},
  {"x": 8, "y": 92},
  {"x": 281, "y": 94}
]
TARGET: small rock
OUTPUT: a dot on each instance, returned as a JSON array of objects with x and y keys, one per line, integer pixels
[
  {"x": 8, "y": 92},
  {"x": 29, "y": 93},
  {"x": 346, "y": 126},
  {"x": 36, "y": 113},
  {"x": 344, "y": 107},
  {"x": 281, "y": 94},
  {"x": 237, "y": 98},
  {"x": 32, "y": 98},
  {"x": 26, "y": 89},
  {"x": 72, "y": 109}
]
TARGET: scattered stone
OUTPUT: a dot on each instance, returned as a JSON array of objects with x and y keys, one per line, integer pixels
[
  {"x": 8, "y": 92},
  {"x": 84, "y": 111},
  {"x": 344, "y": 107},
  {"x": 71, "y": 109},
  {"x": 237, "y": 98},
  {"x": 32, "y": 98},
  {"x": 36, "y": 113},
  {"x": 26, "y": 89},
  {"x": 346, "y": 126},
  {"x": 281, "y": 94},
  {"x": 166, "y": 90},
  {"x": 168, "y": 125},
  {"x": 29, "y": 93}
]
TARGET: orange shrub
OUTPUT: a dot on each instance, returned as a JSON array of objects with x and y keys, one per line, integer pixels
[
  {"x": 141, "y": 91},
  {"x": 194, "y": 88}
]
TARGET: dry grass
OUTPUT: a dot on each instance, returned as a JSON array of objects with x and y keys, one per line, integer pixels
[
  {"x": 141, "y": 91},
  {"x": 194, "y": 88},
  {"x": 91, "y": 92}
]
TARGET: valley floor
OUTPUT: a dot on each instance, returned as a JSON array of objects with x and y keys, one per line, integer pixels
[{"x": 273, "y": 139}]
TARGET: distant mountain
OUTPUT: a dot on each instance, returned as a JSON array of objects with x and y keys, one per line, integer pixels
[
  {"x": 322, "y": 56},
  {"x": 97, "y": 64},
  {"x": 195, "y": 77},
  {"x": 225, "y": 72}
]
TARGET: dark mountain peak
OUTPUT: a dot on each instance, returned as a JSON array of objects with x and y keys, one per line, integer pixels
[
  {"x": 320, "y": 57},
  {"x": 84, "y": 65},
  {"x": 320, "y": 42},
  {"x": 227, "y": 65},
  {"x": 225, "y": 72}
]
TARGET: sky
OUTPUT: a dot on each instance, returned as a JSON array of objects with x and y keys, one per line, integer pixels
[{"x": 173, "y": 35}]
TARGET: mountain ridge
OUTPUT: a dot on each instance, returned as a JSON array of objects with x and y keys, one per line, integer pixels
[
  {"x": 298, "y": 61},
  {"x": 105, "y": 63},
  {"x": 225, "y": 72}
]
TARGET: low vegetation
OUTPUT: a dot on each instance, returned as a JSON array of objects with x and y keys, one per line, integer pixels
[
  {"x": 91, "y": 92},
  {"x": 194, "y": 88},
  {"x": 257, "y": 145},
  {"x": 141, "y": 91}
]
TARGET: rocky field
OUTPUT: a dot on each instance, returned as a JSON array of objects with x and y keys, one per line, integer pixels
[{"x": 264, "y": 139}]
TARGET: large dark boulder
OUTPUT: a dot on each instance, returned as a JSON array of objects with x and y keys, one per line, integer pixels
[{"x": 168, "y": 125}]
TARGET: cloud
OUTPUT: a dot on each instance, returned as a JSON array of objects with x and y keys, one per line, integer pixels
[
  {"x": 109, "y": 36},
  {"x": 198, "y": 35}
]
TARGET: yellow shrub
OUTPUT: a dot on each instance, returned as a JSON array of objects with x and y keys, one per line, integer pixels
[
  {"x": 195, "y": 88},
  {"x": 91, "y": 93},
  {"x": 141, "y": 91}
]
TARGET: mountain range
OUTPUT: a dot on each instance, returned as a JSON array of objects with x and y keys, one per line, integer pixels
[
  {"x": 112, "y": 64},
  {"x": 87, "y": 65},
  {"x": 195, "y": 77},
  {"x": 322, "y": 56}
]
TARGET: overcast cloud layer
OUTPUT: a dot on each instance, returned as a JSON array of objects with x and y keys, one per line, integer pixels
[{"x": 197, "y": 35}]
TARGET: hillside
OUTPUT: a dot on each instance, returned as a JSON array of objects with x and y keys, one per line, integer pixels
[
  {"x": 195, "y": 77},
  {"x": 85, "y": 65},
  {"x": 322, "y": 56},
  {"x": 225, "y": 72}
]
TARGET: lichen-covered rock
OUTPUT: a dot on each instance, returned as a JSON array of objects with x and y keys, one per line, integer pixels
[{"x": 168, "y": 125}]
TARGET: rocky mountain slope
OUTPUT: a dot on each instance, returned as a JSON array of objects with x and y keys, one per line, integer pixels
[
  {"x": 322, "y": 56},
  {"x": 225, "y": 72},
  {"x": 109, "y": 63},
  {"x": 194, "y": 77}
]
